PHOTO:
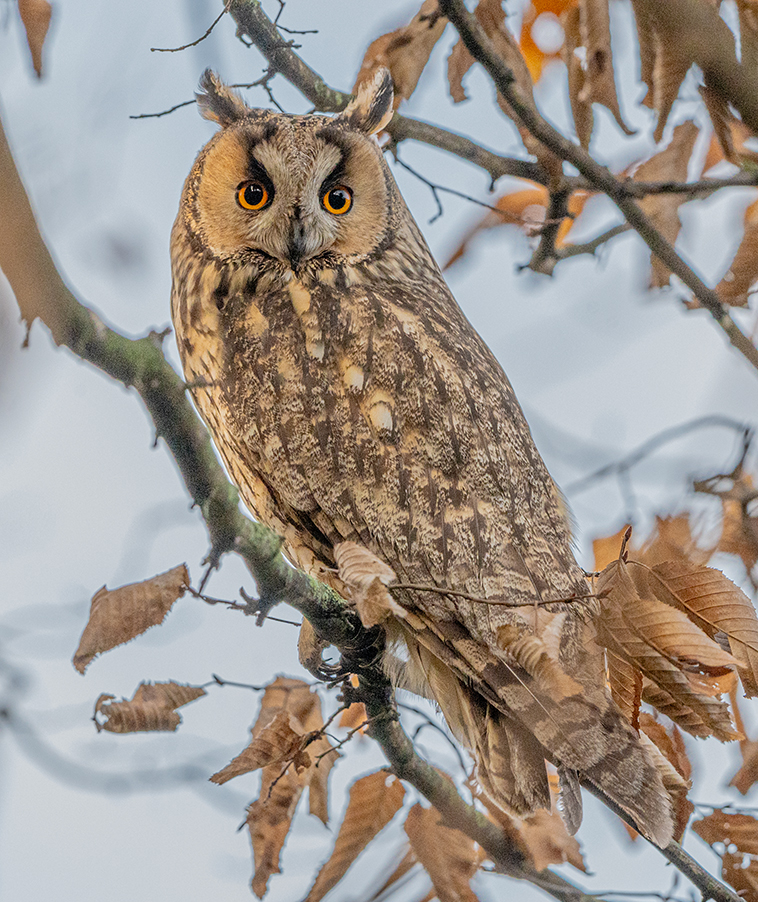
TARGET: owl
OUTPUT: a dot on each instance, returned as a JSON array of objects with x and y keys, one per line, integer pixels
[{"x": 353, "y": 405}]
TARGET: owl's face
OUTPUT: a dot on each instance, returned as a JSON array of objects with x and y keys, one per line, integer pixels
[{"x": 297, "y": 189}]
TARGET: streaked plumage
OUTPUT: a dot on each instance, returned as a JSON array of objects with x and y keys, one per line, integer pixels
[{"x": 351, "y": 400}]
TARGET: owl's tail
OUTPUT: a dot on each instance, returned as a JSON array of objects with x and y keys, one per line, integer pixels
[{"x": 590, "y": 746}]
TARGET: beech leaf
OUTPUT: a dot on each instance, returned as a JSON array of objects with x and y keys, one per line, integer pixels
[
  {"x": 581, "y": 105},
  {"x": 118, "y": 615},
  {"x": 35, "y": 14},
  {"x": 600, "y": 84},
  {"x": 449, "y": 857},
  {"x": 635, "y": 624},
  {"x": 405, "y": 51},
  {"x": 717, "y": 606},
  {"x": 152, "y": 708},
  {"x": 739, "y": 866},
  {"x": 270, "y": 816},
  {"x": 548, "y": 842},
  {"x": 670, "y": 164},
  {"x": 374, "y": 800},
  {"x": 741, "y": 275}
]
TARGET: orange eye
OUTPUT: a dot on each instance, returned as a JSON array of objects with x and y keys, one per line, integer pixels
[
  {"x": 252, "y": 195},
  {"x": 338, "y": 200}
]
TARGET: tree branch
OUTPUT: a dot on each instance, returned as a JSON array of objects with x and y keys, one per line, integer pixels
[{"x": 600, "y": 178}]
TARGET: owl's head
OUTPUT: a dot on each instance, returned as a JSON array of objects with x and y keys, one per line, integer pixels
[{"x": 298, "y": 189}]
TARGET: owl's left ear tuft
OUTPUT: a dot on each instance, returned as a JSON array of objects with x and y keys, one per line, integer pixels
[
  {"x": 218, "y": 102},
  {"x": 371, "y": 109}
]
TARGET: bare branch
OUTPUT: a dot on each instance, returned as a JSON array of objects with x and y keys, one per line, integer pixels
[
  {"x": 589, "y": 247},
  {"x": 482, "y": 49},
  {"x": 651, "y": 445},
  {"x": 202, "y": 37}
]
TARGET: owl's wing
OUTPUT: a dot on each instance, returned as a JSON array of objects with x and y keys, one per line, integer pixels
[{"x": 376, "y": 414}]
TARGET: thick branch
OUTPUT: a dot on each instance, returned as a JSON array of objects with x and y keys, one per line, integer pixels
[{"x": 482, "y": 49}]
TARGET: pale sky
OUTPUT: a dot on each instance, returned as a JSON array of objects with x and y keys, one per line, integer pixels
[{"x": 598, "y": 364}]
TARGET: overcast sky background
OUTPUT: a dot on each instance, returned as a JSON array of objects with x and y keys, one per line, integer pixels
[{"x": 599, "y": 366}]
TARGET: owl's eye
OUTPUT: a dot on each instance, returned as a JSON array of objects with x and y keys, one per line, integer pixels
[
  {"x": 253, "y": 195},
  {"x": 338, "y": 200}
]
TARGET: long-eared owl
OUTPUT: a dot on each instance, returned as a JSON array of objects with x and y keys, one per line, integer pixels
[{"x": 352, "y": 402}]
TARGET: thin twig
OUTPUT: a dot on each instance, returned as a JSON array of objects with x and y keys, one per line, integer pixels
[
  {"x": 250, "y": 84},
  {"x": 435, "y": 189},
  {"x": 193, "y": 43},
  {"x": 444, "y": 590}
]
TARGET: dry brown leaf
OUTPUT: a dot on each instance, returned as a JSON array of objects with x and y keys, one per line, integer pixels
[
  {"x": 374, "y": 800},
  {"x": 664, "y": 65},
  {"x": 741, "y": 275},
  {"x": 682, "y": 714},
  {"x": 404, "y": 865},
  {"x": 600, "y": 85},
  {"x": 668, "y": 631},
  {"x": 722, "y": 120},
  {"x": 324, "y": 757},
  {"x": 118, "y": 615},
  {"x": 672, "y": 540},
  {"x": 548, "y": 842},
  {"x": 670, "y": 69},
  {"x": 310, "y": 647},
  {"x": 748, "y": 13},
  {"x": 739, "y": 867},
  {"x": 739, "y": 533},
  {"x": 152, "y": 708},
  {"x": 535, "y": 56},
  {"x": 270, "y": 816},
  {"x": 747, "y": 775},
  {"x": 639, "y": 627},
  {"x": 367, "y": 577},
  {"x": 581, "y": 106},
  {"x": 607, "y": 549},
  {"x": 663, "y": 209},
  {"x": 405, "y": 51},
  {"x": 358, "y": 567},
  {"x": 625, "y": 681},
  {"x": 724, "y": 145},
  {"x": 375, "y": 604},
  {"x": 449, "y": 857},
  {"x": 283, "y": 740},
  {"x": 575, "y": 206},
  {"x": 717, "y": 606},
  {"x": 531, "y": 653},
  {"x": 35, "y": 14},
  {"x": 356, "y": 714},
  {"x": 646, "y": 45},
  {"x": 739, "y": 530},
  {"x": 268, "y": 820}
]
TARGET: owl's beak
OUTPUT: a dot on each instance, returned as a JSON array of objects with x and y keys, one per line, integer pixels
[{"x": 297, "y": 243}]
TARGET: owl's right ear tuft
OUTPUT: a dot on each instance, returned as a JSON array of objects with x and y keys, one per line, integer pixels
[
  {"x": 372, "y": 107},
  {"x": 218, "y": 102}
]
